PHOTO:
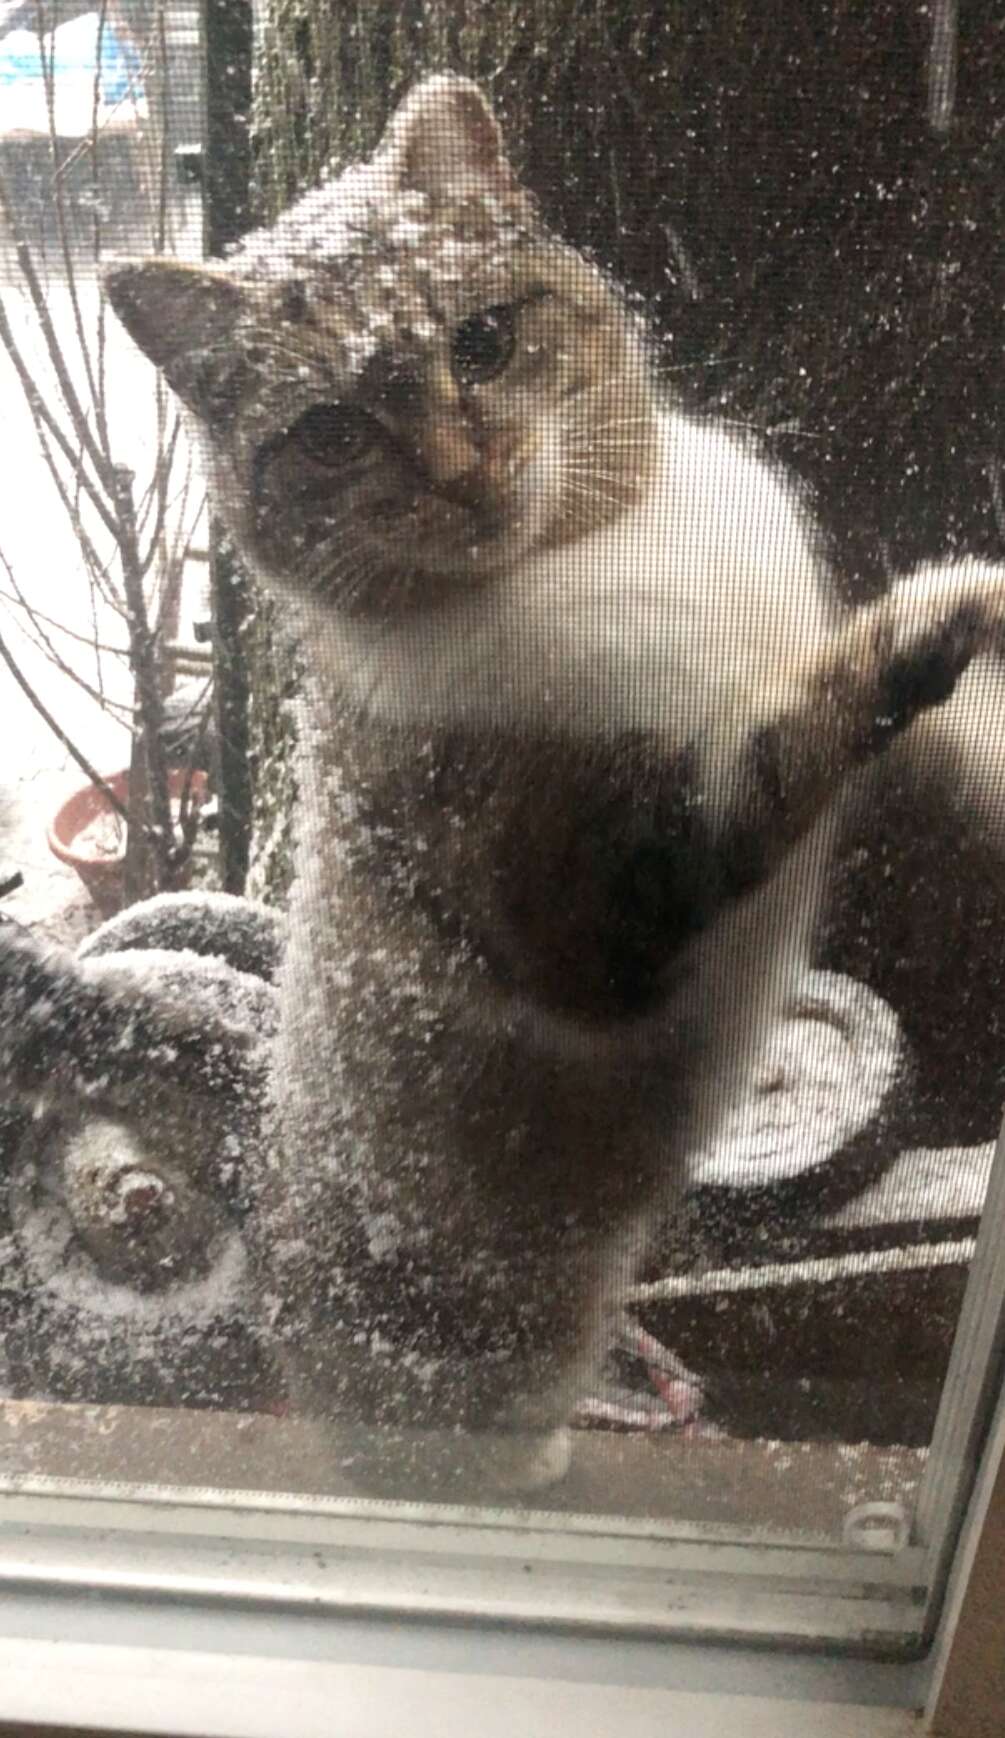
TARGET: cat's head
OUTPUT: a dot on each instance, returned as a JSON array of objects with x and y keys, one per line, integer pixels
[{"x": 407, "y": 383}]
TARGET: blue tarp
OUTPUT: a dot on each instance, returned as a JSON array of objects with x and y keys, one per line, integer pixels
[{"x": 74, "y": 48}]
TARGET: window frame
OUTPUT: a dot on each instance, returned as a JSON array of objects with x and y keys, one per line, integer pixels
[
  {"x": 118, "y": 1655},
  {"x": 146, "y": 1665},
  {"x": 966, "y": 1666}
]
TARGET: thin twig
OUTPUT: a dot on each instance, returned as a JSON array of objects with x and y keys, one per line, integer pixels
[
  {"x": 173, "y": 570},
  {"x": 156, "y": 494},
  {"x": 102, "y": 647},
  {"x": 43, "y": 644},
  {"x": 59, "y": 202},
  {"x": 43, "y": 711},
  {"x": 92, "y": 560},
  {"x": 942, "y": 57},
  {"x": 161, "y": 126},
  {"x": 100, "y": 368},
  {"x": 41, "y": 414},
  {"x": 26, "y": 266}
]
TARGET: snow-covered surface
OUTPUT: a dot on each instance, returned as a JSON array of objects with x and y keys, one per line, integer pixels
[{"x": 829, "y": 1068}]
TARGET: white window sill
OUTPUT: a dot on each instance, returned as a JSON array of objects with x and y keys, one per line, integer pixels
[{"x": 175, "y": 1691}]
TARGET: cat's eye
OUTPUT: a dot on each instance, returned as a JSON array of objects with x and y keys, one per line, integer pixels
[
  {"x": 483, "y": 345},
  {"x": 334, "y": 434}
]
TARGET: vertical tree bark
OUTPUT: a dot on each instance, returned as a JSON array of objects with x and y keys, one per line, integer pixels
[{"x": 227, "y": 214}]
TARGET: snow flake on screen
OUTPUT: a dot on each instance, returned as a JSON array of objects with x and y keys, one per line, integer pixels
[{"x": 388, "y": 251}]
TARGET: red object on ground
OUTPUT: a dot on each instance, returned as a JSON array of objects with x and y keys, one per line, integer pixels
[{"x": 87, "y": 835}]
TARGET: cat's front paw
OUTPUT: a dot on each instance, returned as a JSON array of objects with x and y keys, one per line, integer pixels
[
  {"x": 525, "y": 1462},
  {"x": 905, "y": 654},
  {"x": 467, "y": 1467}
]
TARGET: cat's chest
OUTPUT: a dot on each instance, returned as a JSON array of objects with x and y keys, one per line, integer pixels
[
  {"x": 570, "y": 873},
  {"x": 671, "y": 621}
]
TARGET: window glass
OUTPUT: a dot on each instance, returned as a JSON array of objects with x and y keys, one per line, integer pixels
[{"x": 502, "y": 826}]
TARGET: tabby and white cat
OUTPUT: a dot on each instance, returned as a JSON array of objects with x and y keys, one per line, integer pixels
[{"x": 575, "y": 710}]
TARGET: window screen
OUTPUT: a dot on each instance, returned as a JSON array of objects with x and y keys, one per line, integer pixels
[{"x": 503, "y": 818}]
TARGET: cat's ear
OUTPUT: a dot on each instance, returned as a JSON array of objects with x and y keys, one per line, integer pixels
[
  {"x": 444, "y": 140},
  {"x": 184, "y": 318}
]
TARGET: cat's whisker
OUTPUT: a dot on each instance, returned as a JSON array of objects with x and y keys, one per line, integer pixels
[
  {"x": 611, "y": 446},
  {"x": 591, "y": 494},
  {"x": 591, "y": 491},
  {"x": 598, "y": 453},
  {"x": 375, "y": 663},
  {"x": 570, "y": 468},
  {"x": 280, "y": 340},
  {"x": 604, "y": 425},
  {"x": 287, "y": 369},
  {"x": 302, "y": 364},
  {"x": 644, "y": 419},
  {"x": 335, "y": 567}
]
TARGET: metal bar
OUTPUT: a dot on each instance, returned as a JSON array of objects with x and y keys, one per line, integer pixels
[
  {"x": 967, "y": 1691},
  {"x": 973, "y": 1382},
  {"x": 494, "y": 1576},
  {"x": 228, "y": 35}
]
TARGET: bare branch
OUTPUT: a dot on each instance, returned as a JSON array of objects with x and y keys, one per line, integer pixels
[
  {"x": 42, "y": 415},
  {"x": 44, "y": 644},
  {"x": 26, "y": 266},
  {"x": 17, "y": 596},
  {"x": 81, "y": 759},
  {"x": 143, "y": 647},
  {"x": 95, "y": 566},
  {"x": 59, "y": 201}
]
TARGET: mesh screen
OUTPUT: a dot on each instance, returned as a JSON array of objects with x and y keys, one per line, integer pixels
[{"x": 503, "y": 814}]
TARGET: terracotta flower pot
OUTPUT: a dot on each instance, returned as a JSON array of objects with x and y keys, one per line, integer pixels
[{"x": 88, "y": 835}]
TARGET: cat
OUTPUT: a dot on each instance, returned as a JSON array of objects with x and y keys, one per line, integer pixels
[{"x": 577, "y": 705}]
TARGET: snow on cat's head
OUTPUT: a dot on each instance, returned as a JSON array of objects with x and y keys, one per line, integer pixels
[{"x": 406, "y": 383}]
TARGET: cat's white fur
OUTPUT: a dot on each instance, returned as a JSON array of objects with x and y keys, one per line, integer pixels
[{"x": 587, "y": 637}]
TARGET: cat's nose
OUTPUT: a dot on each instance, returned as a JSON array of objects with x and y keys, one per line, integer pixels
[{"x": 446, "y": 450}]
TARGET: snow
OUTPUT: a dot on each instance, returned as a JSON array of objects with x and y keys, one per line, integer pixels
[
  {"x": 105, "y": 836},
  {"x": 827, "y": 1069}
]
